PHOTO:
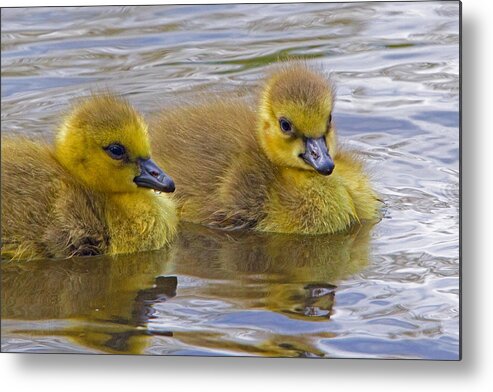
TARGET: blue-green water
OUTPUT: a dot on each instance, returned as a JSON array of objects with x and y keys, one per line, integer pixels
[{"x": 391, "y": 291}]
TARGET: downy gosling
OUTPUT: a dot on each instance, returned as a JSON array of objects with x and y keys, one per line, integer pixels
[
  {"x": 92, "y": 193},
  {"x": 273, "y": 168}
]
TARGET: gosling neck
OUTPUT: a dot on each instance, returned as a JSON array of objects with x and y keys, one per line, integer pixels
[
  {"x": 295, "y": 175},
  {"x": 140, "y": 221}
]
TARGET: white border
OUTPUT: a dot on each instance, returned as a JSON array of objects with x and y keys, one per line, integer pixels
[{"x": 475, "y": 373}]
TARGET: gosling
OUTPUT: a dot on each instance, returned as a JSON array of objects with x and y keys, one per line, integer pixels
[
  {"x": 92, "y": 193},
  {"x": 274, "y": 168}
]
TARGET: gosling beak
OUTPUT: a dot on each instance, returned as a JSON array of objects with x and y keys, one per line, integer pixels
[
  {"x": 151, "y": 176},
  {"x": 317, "y": 155}
]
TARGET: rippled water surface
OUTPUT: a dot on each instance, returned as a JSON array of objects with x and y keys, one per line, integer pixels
[{"x": 391, "y": 291}]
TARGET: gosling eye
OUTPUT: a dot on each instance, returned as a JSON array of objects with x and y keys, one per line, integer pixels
[
  {"x": 115, "y": 151},
  {"x": 285, "y": 125}
]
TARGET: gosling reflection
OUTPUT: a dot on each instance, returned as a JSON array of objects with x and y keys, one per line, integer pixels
[
  {"x": 319, "y": 300},
  {"x": 107, "y": 301},
  {"x": 292, "y": 274},
  {"x": 154, "y": 302}
]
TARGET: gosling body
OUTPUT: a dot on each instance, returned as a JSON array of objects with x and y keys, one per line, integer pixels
[
  {"x": 275, "y": 167},
  {"x": 77, "y": 199}
]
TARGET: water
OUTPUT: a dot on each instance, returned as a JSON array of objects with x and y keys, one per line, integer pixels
[{"x": 391, "y": 291}]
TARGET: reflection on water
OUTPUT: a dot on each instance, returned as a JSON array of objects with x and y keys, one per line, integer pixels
[
  {"x": 116, "y": 304},
  {"x": 389, "y": 292},
  {"x": 101, "y": 302}
]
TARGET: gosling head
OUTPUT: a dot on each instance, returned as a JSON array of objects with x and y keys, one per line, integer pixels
[
  {"x": 295, "y": 128},
  {"x": 104, "y": 143}
]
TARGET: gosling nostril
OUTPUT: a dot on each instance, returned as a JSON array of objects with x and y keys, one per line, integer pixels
[
  {"x": 315, "y": 154},
  {"x": 154, "y": 173}
]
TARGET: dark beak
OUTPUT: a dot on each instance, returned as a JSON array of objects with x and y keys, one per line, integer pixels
[
  {"x": 317, "y": 155},
  {"x": 151, "y": 176}
]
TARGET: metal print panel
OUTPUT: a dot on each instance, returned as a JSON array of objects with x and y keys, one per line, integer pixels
[{"x": 266, "y": 180}]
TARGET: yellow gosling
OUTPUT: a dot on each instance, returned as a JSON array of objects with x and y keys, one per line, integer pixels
[
  {"x": 92, "y": 193},
  {"x": 274, "y": 168}
]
